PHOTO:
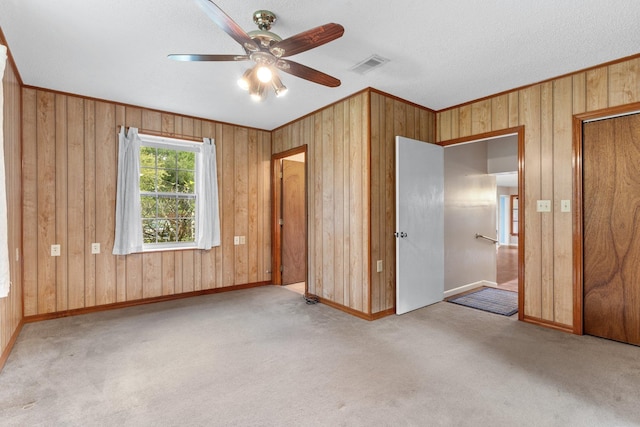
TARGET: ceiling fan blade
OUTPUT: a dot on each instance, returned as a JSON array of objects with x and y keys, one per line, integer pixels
[
  {"x": 227, "y": 24},
  {"x": 194, "y": 57},
  {"x": 307, "y": 73},
  {"x": 307, "y": 40}
]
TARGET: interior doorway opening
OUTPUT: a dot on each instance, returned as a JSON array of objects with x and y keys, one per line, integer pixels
[
  {"x": 289, "y": 227},
  {"x": 484, "y": 188}
]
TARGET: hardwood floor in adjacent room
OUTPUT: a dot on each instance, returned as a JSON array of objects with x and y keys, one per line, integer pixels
[{"x": 507, "y": 268}]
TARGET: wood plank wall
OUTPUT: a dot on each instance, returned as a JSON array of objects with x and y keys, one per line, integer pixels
[
  {"x": 546, "y": 111},
  {"x": 390, "y": 117},
  {"x": 351, "y": 194},
  {"x": 69, "y": 181},
  {"x": 337, "y": 197},
  {"x": 11, "y": 306}
]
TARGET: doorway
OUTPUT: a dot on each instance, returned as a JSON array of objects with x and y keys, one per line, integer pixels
[
  {"x": 483, "y": 192},
  {"x": 289, "y": 225}
]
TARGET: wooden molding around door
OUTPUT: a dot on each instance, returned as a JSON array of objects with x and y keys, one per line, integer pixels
[
  {"x": 276, "y": 240},
  {"x": 578, "y": 214}
]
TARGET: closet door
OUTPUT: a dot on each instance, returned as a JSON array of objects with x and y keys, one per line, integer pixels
[{"x": 611, "y": 196}]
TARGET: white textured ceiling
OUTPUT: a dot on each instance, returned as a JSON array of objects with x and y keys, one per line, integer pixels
[{"x": 441, "y": 53}]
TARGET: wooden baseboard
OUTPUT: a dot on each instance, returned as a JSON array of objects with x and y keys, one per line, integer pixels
[
  {"x": 351, "y": 311},
  {"x": 124, "y": 304},
  {"x": 548, "y": 324},
  {"x": 12, "y": 341}
]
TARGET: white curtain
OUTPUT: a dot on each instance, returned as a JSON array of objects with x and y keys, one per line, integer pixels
[
  {"x": 128, "y": 237},
  {"x": 208, "y": 223},
  {"x": 5, "y": 274}
]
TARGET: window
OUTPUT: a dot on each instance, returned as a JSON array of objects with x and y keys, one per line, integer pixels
[
  {"x": 167, "y": 193},
  {"x": 514, "y": 214}
]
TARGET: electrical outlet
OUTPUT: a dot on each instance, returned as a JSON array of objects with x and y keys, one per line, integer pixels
[
  {"x": 95, "y": 248},
  {"x": 243, "y": 240},
  {"x": 565, "y": 206},
  {"x": 236, "y": 240},
  {"x": 379, "y": 266},
  {"x": 55, "y": 250}
]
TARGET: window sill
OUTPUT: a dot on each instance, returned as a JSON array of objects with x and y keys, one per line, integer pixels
[{"x": 168, "y": 248}]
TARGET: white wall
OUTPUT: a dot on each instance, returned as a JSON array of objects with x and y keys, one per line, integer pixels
[
  {"x": 502, "y": 154},
  {"x": 470, "y": 208}
]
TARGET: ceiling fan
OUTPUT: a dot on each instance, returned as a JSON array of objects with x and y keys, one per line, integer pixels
[{"x": 268, "y": 51}]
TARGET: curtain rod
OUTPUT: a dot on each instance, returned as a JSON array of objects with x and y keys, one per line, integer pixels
[{"x": 164, "y": 134}]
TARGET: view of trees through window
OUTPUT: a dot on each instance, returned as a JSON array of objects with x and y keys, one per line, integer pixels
[{"x": 167, "y": 195}]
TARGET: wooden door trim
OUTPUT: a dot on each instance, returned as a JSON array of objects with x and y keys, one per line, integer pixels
[
  {"x": 276, "y": 235},
  {"x": 578, "y": 214}
]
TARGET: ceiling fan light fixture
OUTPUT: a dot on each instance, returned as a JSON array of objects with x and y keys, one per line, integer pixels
[
  {"x": 264, "y": 74},
  {"x": 258, "y": 91},
  {"x": 279, "y": 88},
  {"x": 245, "y": 81}
]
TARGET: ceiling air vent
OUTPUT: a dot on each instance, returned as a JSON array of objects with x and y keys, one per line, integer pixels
[{"x": 374, "y": 61}]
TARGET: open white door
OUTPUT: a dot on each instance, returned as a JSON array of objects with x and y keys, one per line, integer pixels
[{"x": 419, "y": 224}]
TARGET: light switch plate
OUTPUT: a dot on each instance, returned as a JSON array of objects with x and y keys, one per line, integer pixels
[
  {"x": 379, "y": 266},
  {"x": 95, "y": 248},
  {"x": 55, "y": 250},
  {"x": 565, "y": 206},
  {"x": 544, "y": 206},
  {"x": 236, "y": 240}
]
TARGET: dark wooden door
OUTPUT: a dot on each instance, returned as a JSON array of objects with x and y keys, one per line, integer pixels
[
  {"x": 611, "y": 197},
  {"x": 294, "y": 266}
]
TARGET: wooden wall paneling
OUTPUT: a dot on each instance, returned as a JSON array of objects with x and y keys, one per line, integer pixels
[
  {"x": 106, "y": 164},
  {"x": 318, "y": 207},
  {"x": 377, "y": 203},
  {"x": 579, "y": 91},
  {"x": 481, "y": 117},
  {"x": 62, "y": 278},
  {"x": 228, "y": 205},
  {"x": 241, "y": 197},
  {"x": 563, "y": 190},
  {"x": 45, "y": 123},
  {"x": 499, "y": 112},
  {"x": 357, "y": 182},
  {"x": 529, "y": 99},
  {"x": 546, "y": 193},
  {"x": 514, "y": 109},
  {"x": 389, "y": 201},
  {"x": 444, "y": 126},
  {"x": 455, "y": 123},
  {"x": 624, "y": 82},
  {"x": 184, "y": 274},
  {"x": 338, "y": 211},
  {"x": 252, "y": 206},
  {"x": 464, "y": 120},
  {"x": 597, "y": 88},
  {"x": 365, "y": 143},
  {"x": 89, "y": 202},
  {"x": 264, "y": 193},
  {"x": 11, "y": 307},
  {"x": 328, "y": 219}
]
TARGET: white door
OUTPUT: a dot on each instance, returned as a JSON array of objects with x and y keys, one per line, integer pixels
[{"x": 419, "y": 224}]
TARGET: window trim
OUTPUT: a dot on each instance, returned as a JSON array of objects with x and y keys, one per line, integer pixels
[{"x": 162, "y": 142}]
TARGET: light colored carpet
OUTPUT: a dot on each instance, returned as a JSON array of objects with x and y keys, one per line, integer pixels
[{"x": 262, "y": 357}]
